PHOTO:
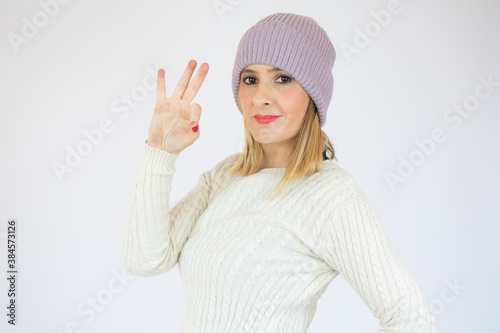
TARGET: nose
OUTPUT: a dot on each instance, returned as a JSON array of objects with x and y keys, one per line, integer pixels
[{"x": 262, "y": 95}]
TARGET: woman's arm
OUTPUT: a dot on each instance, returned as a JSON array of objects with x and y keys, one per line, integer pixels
[
  {"x": 155, "y": 235},
  {"x": 355, "y": 244}
]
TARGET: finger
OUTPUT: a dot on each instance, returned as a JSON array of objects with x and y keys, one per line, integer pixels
[
  {"x": 196, "y": 130},
  {"x": 195, "y": 85},
  {"x": 184, "y": 80},
  {"x": 195, "y": 112},
  {"x": 160, "y": 85}
]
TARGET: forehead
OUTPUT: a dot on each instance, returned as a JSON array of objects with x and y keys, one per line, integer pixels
[{"x": 256, "y": 68}]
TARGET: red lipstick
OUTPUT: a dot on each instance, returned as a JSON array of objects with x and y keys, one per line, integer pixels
[{"x": 265, "y": 119}]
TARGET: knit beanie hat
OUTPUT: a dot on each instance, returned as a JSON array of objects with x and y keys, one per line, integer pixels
[{"x": 295, "y": 44}]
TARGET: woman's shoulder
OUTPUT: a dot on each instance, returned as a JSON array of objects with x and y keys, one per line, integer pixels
[
  {"x": 226, "y": 163},
  {"x": 336, "y": 183},
  {"x": 334, "y": 173},
  {"x": 218, "y": 176},
  {"x": 219, "y": 170}
]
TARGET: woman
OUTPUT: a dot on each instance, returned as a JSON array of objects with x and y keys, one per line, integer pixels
[{"x": 264, "y": 232}]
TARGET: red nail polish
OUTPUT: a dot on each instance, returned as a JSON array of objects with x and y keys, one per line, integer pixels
[{"x": 195, "y": 129}]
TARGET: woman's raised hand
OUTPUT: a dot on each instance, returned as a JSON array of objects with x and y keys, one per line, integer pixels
[{"x": 175, "y": 120}]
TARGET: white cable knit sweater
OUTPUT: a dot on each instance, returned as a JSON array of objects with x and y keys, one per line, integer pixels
[{"x": 249, "y": 264}]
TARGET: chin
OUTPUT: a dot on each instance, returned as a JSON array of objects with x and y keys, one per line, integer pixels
[{"x": 264, "y": 138}]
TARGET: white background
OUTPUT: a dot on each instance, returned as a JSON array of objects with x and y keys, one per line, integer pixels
[{"x": 78, "y": 67}]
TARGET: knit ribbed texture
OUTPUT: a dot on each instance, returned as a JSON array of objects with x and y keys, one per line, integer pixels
[
  {"x": 295, "y": 44},
  {"x": 250, "y": 264}
]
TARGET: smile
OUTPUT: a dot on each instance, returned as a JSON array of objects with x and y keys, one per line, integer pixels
[{"x": 265, "y": 119}]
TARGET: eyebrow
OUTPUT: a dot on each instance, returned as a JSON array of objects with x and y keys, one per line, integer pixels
[{"x": 274, "y": 69}]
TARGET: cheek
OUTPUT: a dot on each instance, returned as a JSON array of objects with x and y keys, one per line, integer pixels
[
  {"x": 243, "y": 96},
  {"x": 296, "y": 101}
]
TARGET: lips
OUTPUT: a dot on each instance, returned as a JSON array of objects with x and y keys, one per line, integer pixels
[{"x": 265, "y": 119}]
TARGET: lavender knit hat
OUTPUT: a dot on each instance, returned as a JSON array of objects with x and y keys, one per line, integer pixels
[{"x": 295, "y": 44}]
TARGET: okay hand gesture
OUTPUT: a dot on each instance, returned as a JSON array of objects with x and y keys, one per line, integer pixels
[{"x": 175, "y": 120}]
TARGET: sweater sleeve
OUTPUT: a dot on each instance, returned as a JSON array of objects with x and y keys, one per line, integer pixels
[
  {"x": 356, "y": 245},
  {"x": 154, "y": 234}
]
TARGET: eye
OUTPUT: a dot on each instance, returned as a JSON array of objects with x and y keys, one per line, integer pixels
[
  {"x": 286, "y": 78},
  {"x": 249, "y": 78}
]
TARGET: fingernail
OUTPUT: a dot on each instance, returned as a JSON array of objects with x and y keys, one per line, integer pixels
[{"x": 195, "y": 129}]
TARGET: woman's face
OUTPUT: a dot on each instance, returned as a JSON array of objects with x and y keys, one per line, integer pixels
[{"x": 274, "y": 104}]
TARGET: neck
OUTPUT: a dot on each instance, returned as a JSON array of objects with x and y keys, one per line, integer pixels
[{"x": 276, "y": 155}]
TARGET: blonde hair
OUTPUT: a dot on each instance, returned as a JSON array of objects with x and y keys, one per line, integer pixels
[{"x": 305, "y": 160}]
